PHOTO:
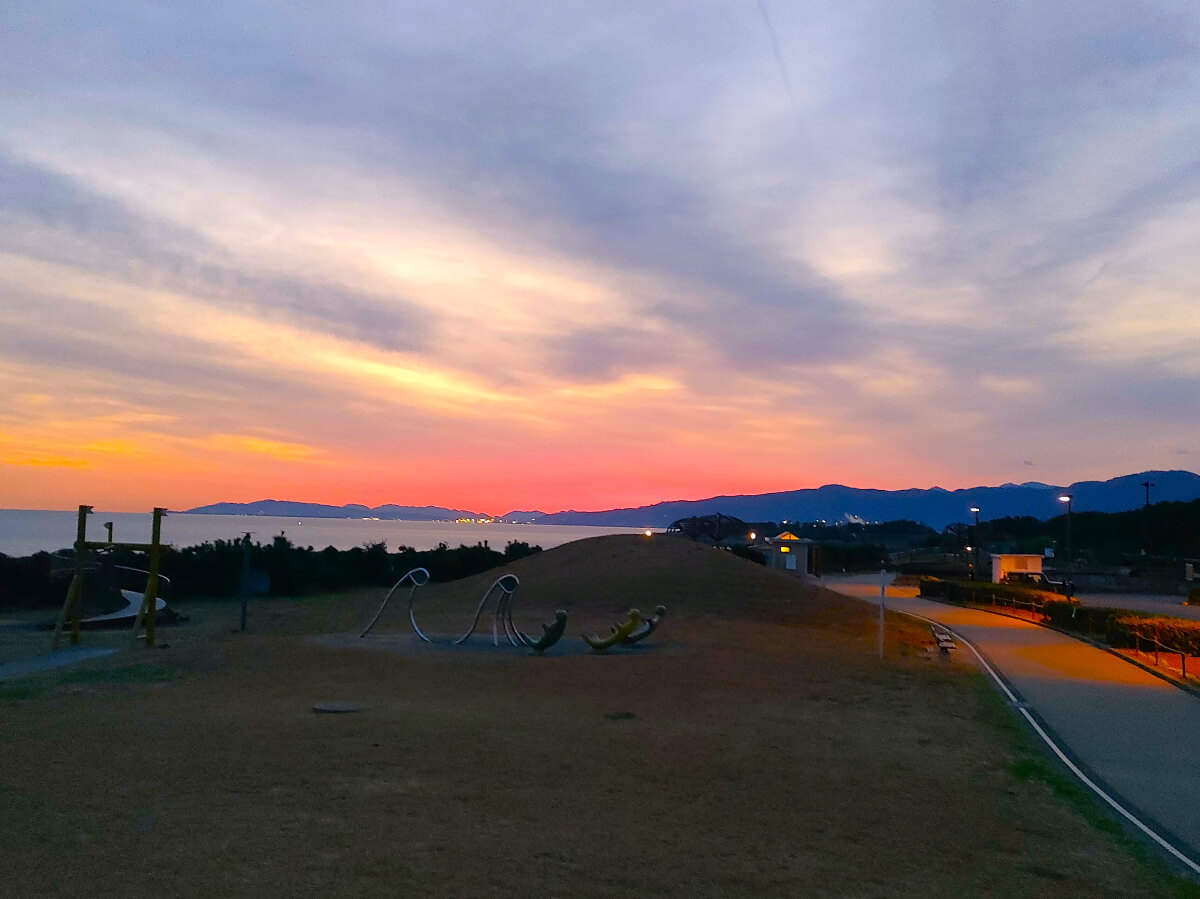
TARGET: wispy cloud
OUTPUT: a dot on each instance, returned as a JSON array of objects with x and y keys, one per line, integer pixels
[{"x": 375, "y": 247}]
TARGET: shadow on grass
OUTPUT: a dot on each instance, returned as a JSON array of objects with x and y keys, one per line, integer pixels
[
  {"x": 140, "y": 673},
  {"x": 32, "y": 820}
]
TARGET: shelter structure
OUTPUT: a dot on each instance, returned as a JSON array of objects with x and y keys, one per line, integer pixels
[
  {"x": 787, "y": 552},
  {"x": 1003, "y": 563}
]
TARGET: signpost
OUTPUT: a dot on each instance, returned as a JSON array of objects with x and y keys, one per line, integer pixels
[
  {"x": 882, "y": 605},
  {"x": 245, "y": 583}
]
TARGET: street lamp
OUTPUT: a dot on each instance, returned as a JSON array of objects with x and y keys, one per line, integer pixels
[
  {"x": 975, "y": 569},
  {"x": 1066, "y": 498}
]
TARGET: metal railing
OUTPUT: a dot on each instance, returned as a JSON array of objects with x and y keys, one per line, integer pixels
[{"x": 1160, "y": 648}]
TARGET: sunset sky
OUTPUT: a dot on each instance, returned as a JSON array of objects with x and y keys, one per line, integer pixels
[{"x": 586, "y": 255}]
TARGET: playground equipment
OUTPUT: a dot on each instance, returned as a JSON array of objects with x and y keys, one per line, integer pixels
[
  {"x": 648, "y": 626},
  {"x": 418, "y": 577},
  {"x": 635, "y": 628},
  {"x": 620, "y": 633},
  {"x": 503, "y": 588},
  {"x": 133, "y": 603},
  {"x": 73, "y": 605},
  {"x": 551, "y": 633}
]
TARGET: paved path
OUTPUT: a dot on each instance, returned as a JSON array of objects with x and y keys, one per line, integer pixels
[
  {"x": 1155, "y": 603},
  {"x": 1135, "y": 732}
]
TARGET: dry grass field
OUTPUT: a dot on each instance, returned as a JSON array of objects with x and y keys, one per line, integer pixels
[{"x": 754, "y": 746}]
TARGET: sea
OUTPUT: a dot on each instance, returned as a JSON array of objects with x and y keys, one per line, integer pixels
[{"x": 23, "y": 533}]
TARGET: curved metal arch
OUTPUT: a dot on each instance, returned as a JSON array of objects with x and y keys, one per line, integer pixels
[
  {"x": 506, "y": 585},
  {"x": 418, "y": 577},
  {"x": 504, "y": 588}
]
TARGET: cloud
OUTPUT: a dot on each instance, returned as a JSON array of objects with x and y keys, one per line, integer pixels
[
  {"x": 51, "y": 217},
  {"x": 965, "y": 234}
]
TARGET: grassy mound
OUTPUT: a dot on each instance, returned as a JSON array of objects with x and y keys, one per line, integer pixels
[{"x": 598, "y": 580}]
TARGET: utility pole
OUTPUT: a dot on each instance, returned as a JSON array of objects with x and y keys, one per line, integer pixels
[
  {"x": 244, "y": 585},
  {"x": 882, "y": 605},
  {"x": 1146, "y": 518}
]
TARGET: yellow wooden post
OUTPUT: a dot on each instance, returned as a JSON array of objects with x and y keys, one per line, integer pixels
[
  {"x": 152, "y": 580},
  {"x": 147, "y": 612},
  {"x": 74, "y": 601}
]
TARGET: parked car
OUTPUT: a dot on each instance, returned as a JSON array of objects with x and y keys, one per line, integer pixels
[{"x": 1038, "y": 581}]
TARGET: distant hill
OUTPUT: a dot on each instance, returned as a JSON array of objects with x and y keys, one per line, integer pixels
[
  {"x": 517, "y": 517},
  {"x": 935, "y": 506},
  {"x": 286, "y": 509}
]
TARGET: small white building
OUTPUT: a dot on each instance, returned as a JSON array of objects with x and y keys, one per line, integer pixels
[
  {"x": 1003, "y": 563},
  {"x": 787, "y": 552}
]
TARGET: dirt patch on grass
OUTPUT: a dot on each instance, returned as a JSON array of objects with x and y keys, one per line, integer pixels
[{"x": 767, "y": 753}]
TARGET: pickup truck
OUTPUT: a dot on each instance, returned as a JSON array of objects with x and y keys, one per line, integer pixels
[{"x": 1039, "y": 581}]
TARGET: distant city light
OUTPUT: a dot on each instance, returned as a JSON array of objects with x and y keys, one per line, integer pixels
[{"x": 648, "y": 533}]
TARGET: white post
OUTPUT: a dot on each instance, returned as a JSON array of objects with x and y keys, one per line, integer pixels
[{"x": 882, "y": 605}]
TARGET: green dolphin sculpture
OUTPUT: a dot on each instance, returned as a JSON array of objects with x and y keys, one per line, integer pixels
[
  {"x": 551, "y": 633},
  {"x": 648, "y": 626},
  {"x": 622, "y": 630}
]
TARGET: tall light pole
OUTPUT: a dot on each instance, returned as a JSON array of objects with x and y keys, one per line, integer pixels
[
  {"x": 1146, "y": 518},
  {"x": 975, "y": 571},
  {"x": 1066, "y": 498}
]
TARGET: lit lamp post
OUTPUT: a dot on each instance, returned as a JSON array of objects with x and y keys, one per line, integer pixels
[
  {"x": 1066, "y": 498},
  {"x": 975, "y": 569}
]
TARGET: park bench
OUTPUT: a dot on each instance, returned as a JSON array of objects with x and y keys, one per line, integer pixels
[{"x": 945, "y": 641}]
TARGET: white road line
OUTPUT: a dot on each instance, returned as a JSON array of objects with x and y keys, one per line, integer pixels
[{"x": 1062, "y": 756}]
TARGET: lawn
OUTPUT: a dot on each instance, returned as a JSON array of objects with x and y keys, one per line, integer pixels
[{"x": 756, "y": 746}]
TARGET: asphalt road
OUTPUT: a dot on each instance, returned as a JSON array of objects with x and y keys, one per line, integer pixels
[
  {"x": 1142, "y": 602},
  {"x": 1133, "y": 731}
]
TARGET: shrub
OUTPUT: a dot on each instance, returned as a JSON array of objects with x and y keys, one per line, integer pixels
[
  {"x": 214, "y": 569},
  {"x": 1071, "y": 616},
  {"x": 985, "y": 593},
  {"x": 519, "y": 549},
  {"x": 1177, "y": 634},
  {"x": 746, "y": 552}
]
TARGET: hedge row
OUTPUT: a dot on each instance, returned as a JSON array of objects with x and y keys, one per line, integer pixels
[
  {"x": 985, "y": 593},
  {"x": 1126, "y": 629},
  {"x": 280, "y": 568},
  {"x": 1071, "y": 616},
  {"x": 1172, "y": 634}
]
